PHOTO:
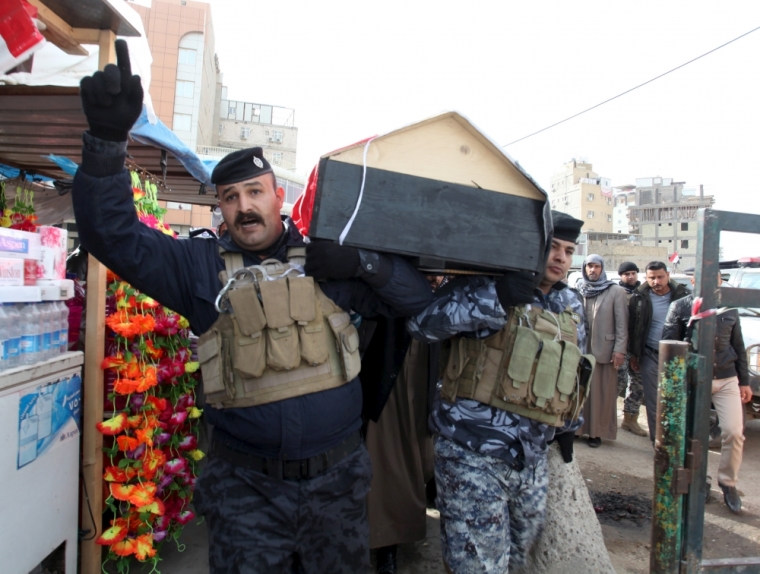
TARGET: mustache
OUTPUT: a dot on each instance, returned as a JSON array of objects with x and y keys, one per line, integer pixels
[{"x": 250, "y": 217}]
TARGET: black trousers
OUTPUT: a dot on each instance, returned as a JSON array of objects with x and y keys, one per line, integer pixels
[{"x": 258, "y": 523}]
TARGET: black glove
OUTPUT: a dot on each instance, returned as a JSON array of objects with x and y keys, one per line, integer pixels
[
  {"x": 328, "y": 260},
  {"x": 112, "y": 99},
  {"x": 515, "y": 288},
  {"x": 565, "y": 441}
]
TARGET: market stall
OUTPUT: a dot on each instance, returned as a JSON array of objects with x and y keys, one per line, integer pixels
[{"x": 37, "y": 122}]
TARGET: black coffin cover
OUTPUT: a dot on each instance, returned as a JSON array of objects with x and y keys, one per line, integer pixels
[{"x": 438, "y": 191}]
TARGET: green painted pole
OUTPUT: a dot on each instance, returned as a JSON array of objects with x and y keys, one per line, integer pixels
[{"x": 669, "y": 457}]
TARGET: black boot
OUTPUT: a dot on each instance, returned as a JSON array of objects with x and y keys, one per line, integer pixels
[
  {"x": 731, "y": 498},
  {"x": 386, "y": 560},
  {"x": 430, "y": 493}
]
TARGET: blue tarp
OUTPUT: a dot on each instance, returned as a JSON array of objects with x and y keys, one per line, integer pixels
[
  {"x": 157, "y": 135},
  {"x": 160, "y": 136}
]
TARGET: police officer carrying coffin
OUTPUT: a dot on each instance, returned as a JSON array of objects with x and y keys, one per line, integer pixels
[
  {"x": 284, "y": 488},
  {"x": 514, "y": 374}
]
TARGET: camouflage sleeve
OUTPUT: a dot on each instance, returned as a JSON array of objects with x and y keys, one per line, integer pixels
[
  {"x": 576, "y": 303},
  {"x": 464, "y": 305}
]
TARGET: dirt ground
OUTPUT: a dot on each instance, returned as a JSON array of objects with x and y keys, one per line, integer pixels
[{"x": 619, "y": 478}]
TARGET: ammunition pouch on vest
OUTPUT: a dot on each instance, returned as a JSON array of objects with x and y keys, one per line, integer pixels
[
  {"x": 277, "y": 336},
  {"x": 532, "y": 367}
]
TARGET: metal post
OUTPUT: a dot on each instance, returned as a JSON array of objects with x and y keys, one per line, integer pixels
[
  {"x": 706, "y": 286},
  {"x": 671, "y": 480}
]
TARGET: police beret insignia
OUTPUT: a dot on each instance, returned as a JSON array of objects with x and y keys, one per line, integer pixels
[{"x": 257, "y": 162}]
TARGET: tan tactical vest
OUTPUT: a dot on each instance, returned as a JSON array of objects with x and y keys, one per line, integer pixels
[
  {"x": 277, "y": 336},
  {"x": 532, "y": 367}
]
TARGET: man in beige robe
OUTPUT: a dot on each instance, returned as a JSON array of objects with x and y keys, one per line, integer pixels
[{"x": 607, "y": 315}]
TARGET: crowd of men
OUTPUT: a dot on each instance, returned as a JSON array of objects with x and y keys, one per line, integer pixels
[
  {"x": 295, "y": 431},
  {"x": 657, "y": 310}
]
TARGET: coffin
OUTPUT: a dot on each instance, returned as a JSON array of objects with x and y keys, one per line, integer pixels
[{"x": 438, "y": 191}]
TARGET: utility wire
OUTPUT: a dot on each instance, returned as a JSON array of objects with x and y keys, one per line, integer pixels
[{"x": 632, "y": 89}]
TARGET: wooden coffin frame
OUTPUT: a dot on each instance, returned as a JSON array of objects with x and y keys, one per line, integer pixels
[{"x": 439, "y": 191}]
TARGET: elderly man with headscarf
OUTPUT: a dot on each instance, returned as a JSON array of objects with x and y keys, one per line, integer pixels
[{"x": 607, "y": 314}]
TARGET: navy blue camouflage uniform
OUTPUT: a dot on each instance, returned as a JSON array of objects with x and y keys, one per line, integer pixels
[
  {"x": 490, "y": 467},
  {"x": 257, "y": 523},
  {"x": 629, "y": 381}
]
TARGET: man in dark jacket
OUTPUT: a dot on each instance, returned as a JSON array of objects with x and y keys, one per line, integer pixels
[
  {"x": 285, "y": 484},
  {"x": 629, "y": 381},
  {"x": 730, "y": 386},
  {"x": 648, "y": 308}
]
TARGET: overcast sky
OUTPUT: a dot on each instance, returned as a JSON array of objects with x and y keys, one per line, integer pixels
[{"x": 352, "y": 69}]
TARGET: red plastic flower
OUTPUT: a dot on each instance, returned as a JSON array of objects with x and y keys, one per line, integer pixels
[
  {"x": 126, "y": 547},
  {"x": 127, "y": 443},
  {"x": 113, "y": 426},
  {"x": 121, "y": 491},
  {"x": 144, "y": 547},
  {"x": 115, "y": 534}
]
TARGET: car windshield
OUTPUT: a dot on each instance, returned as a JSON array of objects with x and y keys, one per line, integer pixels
[{"x": 750, "y": 281}]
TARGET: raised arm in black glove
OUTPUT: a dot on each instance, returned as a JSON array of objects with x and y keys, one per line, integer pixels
[
  {"x": 328, "y": 260},
  {"x": 112, "y": 99},
  {"x": 516, "y": 288},
  {"x": 565, "y": 441}
]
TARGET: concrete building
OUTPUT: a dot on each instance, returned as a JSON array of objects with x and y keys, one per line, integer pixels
[
  {"x": 665, "y": 215},
  {"x": 623, "y": 198},
  {"x": 186, "y": 80},
  {"x": 616, "y": 248},
  {"x": 246, "y": 124},
  {"x": 579, "y": 191}
]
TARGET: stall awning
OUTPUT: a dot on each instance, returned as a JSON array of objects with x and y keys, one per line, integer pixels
[{"x": 36, "y": 121}]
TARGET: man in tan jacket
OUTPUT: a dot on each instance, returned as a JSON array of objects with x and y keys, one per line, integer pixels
[{"x": 607, "y": 315}]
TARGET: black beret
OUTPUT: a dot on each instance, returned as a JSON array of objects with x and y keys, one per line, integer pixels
[
  {"x": 627, "y": 266},
  {"x": 240, "y": 165},
  {"x": 566, "y": 228}
]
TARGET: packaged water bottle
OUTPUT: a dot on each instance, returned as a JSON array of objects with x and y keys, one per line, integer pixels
[
  {"x": 13, "y": 346},
  {"x": 30, "y": 334},
  {"x": 46, "y": 330},
  {"x": 55, "y": 334},
  {"x": 64, "y": 332},
  {"x": 4, "y": 337}
]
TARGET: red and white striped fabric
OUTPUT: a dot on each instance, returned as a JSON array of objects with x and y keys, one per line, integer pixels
[{"x": 19, "y": 36}]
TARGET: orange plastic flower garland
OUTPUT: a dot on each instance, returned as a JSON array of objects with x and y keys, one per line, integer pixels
[{"x": 152, "y": 425}]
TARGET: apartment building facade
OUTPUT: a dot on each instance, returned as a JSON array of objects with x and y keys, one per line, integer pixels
[
  {"x": 576, "y": 189},
  {"x": 665, "y": 215}
]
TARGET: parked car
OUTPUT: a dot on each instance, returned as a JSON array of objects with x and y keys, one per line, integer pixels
[{"x": 749, "y": 278}]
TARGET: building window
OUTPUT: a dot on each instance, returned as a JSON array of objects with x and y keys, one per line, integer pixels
[
  {"x": 670, "y": 225},
  {"x": 590, "y": 215},
  {"x": 590, "y": 197},
  {"x": 685, "y": 244},
  {"x": 187, "y": 56},
  {"x": 684, "y": 227},
  {"x": 276, "y": 136},
  {"x": 609, "y": 218},
  {"x": 182, "y": 122},
  {"x": 245, "y": 133},
  {"x": 277, "y": 158},
  {"x": 185, "y": 89}
]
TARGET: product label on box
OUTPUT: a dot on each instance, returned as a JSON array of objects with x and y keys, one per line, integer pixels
[
  {"x": 11, "y": 272},
  {"x": 13, "y": 245},
  {"x": 48, "y": 416},
  {"x": 53, "y": 242}
]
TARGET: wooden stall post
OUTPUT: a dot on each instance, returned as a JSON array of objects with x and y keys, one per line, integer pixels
[{"x": 95, "y": 335}]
